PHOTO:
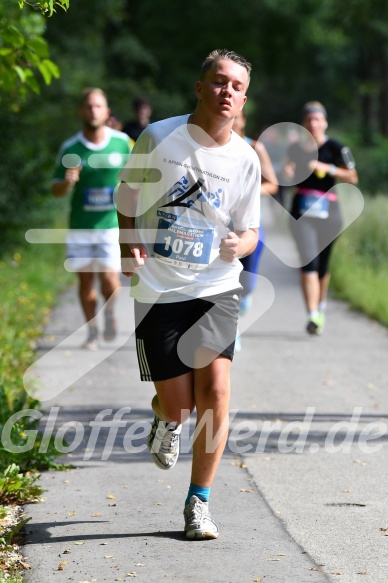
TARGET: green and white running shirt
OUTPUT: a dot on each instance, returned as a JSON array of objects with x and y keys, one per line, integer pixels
[{"x": 92, "y": 205}]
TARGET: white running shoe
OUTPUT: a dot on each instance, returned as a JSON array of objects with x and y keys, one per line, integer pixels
[
  {"x": 91, "y": 342},
  {"x": 198, "y": 522},
  {"x": 163, "y": 443}
]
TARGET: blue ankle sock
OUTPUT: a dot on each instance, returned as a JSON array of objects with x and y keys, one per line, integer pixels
[{"x": 202, "y": 493}]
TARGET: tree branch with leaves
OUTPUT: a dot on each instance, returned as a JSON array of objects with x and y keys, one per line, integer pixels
[
  {"x": 24, "y": 53},
  {"x": 46, "y": 6}
]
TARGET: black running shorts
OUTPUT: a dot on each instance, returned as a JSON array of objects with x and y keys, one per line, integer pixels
[
  {"x": 167, "y": 335},
  {"x": 315, "y": 237}
]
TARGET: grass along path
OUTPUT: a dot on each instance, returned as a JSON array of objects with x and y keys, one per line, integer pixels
[
  {"x": 30, "y": 282},
  {"x": 360, "y": 261}
]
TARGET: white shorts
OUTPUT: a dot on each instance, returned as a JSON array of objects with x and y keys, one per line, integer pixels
[{"x": 95, "y": 247}]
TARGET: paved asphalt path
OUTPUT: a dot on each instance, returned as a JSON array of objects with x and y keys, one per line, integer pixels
[{"x": 301, "y": 491}]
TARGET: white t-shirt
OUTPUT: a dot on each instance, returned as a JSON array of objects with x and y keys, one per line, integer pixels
[{"x": 190, "y": 196}]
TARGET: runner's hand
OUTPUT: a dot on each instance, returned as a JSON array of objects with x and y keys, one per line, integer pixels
[
  {"x": 289, "y": 170},
  {"x": 134, "y": 260},
  {"x": 72, "y": 174},
  {"x": 229, "y": 247}
]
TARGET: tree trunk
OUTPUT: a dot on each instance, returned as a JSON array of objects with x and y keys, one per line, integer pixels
[
  {"x": 383, "y": 93},
  {"x": 366, "y": 74}
]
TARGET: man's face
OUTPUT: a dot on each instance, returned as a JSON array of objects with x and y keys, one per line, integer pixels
[
  {"x": 315, "y": 123},
  {"x": 144, "y": 114},
  {"x": 95, "y": 111},
  {"x": 223, "y": 89}
]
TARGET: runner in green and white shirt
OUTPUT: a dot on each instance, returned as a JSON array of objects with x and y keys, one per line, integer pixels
[{"x": 87, "y": 168}]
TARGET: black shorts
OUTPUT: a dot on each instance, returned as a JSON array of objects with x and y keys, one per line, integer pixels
[
  {"x": 315, "y": 237},
  {"x": 167, "y": 335}
]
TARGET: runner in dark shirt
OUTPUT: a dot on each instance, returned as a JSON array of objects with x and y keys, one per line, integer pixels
[{"x": 317, "y": 197}]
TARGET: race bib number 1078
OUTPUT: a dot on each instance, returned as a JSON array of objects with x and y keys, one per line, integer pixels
[{"x": 183, "y": 246}]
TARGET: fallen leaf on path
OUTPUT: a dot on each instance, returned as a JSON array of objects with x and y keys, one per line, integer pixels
[
  {"x": 111, "y": 496},
  {"x": 362, "y": 463},
  {"x": 96, "y": 514},
  {"x": 246, "y": 490},
  {"x": 134, "y": 574},
  {"x": 112, "y": 504},
  {"x": 66, "y": 552},
  {"x": 258, "y": 579},
  {"x": 139, "y": 564},
  {"x": 281, "y": 554},
  {"x": 273, "y": 559},
  {"x": 316, "y": 569},
  {"x": 109, "y": 557},
  {"x": 335, "y": 573},
  {"x": 60, "y": 568},
  {"x": 268, "y": 459},
  {"x": 25, "y": 565},
  {"x": 362, "y": 573},
  {"x": 79, "y": 542},
  {"x": 71, "y": 514},
  {"x": 239, "y": 464}
]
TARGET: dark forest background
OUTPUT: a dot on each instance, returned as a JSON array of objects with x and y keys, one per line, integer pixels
[{"x": 334, "y": 51}]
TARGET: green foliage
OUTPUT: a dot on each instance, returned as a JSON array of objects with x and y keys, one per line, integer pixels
[
  {"x": 28, "y": 457},
  {"x": 29, "y": 149},
  {"x": 29, "y": 284},
  {"x": 24, "y": 54},
  {"x": 30, "y": 280},
  {"x": 47, "y": 7},
  {"x": 121, "y": 47},
  {"x": 372, "y": 165},
  {"x": 18, "y": 488},
  {"x": 359, "y": 272},
  {"x": 12, "y": 532},
  {"x": 12, "y": 578},
  {"x": 371, "y": 159}
]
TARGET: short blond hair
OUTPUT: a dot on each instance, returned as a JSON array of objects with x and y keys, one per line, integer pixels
[{"x": 221, "y": 55}]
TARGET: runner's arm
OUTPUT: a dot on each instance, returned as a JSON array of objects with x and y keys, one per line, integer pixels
[
  {"x": 63, "y": 187},
  {"x": 269, "y": 182},
  {"x": 340, "y": 173},
  {"x": 133, "y": 254}
]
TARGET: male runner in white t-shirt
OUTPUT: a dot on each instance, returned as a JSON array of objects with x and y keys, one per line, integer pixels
[{"x": 188, "y": 210}]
